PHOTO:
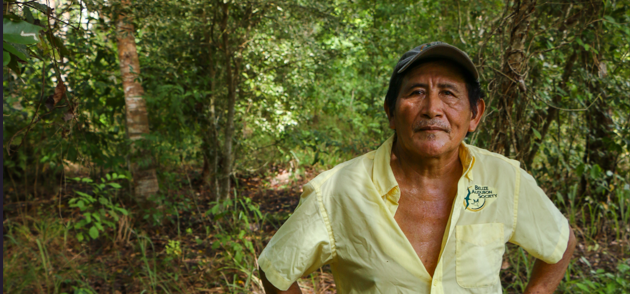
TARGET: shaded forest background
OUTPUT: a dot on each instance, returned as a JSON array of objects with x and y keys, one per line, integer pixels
[{"x": 155, "y": 146}]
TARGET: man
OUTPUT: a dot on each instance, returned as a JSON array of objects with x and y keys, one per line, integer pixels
[{"x": 425, "y": 213}]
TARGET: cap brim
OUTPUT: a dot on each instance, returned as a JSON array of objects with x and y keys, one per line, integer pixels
[{"x": 444, "y": 51}]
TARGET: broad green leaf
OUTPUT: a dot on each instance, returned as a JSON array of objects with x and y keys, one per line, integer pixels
[
  {"x": 6, "y": 57},
  {"x": 536, "y": 134},
  {"x": 93, "y": 232},
  {"x": 20, "y": 32},
  {"x": 596, "y": 171},
  {"x": 17, "y": 50},
  {"x": 122, "y": 210},
  {"x": 88, "y": 217},
  {"x": 115, "y": 185},
  {"x": 80, "y": 237}
]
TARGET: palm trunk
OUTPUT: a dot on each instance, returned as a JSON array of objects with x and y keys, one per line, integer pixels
[{"x": 137, "y": 117}]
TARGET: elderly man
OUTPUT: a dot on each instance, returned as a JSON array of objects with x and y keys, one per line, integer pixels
[{"x": 425, "y": 213}]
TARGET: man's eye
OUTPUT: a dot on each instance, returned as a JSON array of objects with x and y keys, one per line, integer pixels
[
  {"x": 417, "y": 92},
  {"x": 448, "y": 93}
]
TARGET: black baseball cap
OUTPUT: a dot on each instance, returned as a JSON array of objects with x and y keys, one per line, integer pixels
[{"x": 436, "y": 50}]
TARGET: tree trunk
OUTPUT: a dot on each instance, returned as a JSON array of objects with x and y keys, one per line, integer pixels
[
  {"x": 210, "y": 136},
  {"x": 513, "y": 73},
  {"x": 144, "y": 176},
  {"x": 552, "y": 112},
  {"x": 231, "y": 76},
  {"x": 600, "y": 133}
]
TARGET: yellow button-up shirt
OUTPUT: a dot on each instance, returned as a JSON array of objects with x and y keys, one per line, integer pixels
[{"x": 346, "y": 219}]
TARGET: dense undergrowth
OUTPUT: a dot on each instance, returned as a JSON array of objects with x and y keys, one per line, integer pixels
[{"x": 183, "y": 242}]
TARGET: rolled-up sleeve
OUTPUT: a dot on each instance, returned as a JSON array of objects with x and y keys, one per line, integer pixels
[
  {"x": 541, "y": 229},
  {"x": 302, "y": 245}
]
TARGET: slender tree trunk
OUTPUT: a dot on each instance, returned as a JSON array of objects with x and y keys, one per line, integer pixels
[
  {"x": 552, "y": 112},
  {"x": 210, "y": 136},
  {"x": 600, "y": 132},
  {"x": 512, "y": 81},
  {"x": 231, "y": 75},
  {"x": 144, "y": 176}
]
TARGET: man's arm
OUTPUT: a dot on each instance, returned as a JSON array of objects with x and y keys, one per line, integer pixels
[
  {"x": 546, "y": 277},
  {"x": 271, "y": 289}
]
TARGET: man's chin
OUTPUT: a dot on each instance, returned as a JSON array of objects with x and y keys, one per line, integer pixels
[{"x": 431, "y": 147}]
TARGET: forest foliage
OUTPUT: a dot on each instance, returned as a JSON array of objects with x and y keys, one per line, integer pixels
[{"x": 238, "y": 89}]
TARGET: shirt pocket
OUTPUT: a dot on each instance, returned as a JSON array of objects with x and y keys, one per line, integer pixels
[{"x": 479, "y": 251}]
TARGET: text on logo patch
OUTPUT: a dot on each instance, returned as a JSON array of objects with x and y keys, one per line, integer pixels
[{"x": 479, "y": 197}]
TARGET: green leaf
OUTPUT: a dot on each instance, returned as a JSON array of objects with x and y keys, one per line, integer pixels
[
  {"x": 17, "y": 50},
  {"x": 28, "y": 15},
  {"x": 80, "y": 237},
  {"x": 115, "y": 185},
  {"x": 596, "y": 171},
  {"x": 122, "y": 210},
  {"x": 79, "y": 224},
  {"x": 610, "y": 19},
  {"x": 579, "y": 170},
  {"x": 109, "y": 178},
  {"x": 41, "y": 7},
  {"x": 88, "y": 217},
  {"x": 93, "y": 232},
  {"x": 579, "y": 41},
  {"x": 536, "y": 134},
  {"x": 20, "y": 32},
  {"x": 14, "y": 66},
  {"x": 102, "y": 200},
  {"x": 6, "y": 57}
]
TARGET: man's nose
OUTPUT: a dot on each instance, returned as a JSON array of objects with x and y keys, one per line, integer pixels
[{"x": 432, "y": 105}]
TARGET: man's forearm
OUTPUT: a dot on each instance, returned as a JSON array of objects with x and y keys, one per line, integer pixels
[
  {"x": 271, "y": 289},
  {"x": 546, "y": 277}
]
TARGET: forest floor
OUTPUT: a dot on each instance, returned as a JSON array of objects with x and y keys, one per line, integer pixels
[{"x": 182, "y": 242}]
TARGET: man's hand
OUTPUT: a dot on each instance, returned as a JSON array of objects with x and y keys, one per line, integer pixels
[
  {"x": 546, "y": 277},
  {"x": 271, "y": 289}
]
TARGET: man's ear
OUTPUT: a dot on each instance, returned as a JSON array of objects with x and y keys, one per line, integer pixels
[
  {"x": 390, "y": 117},
  {"x": 474, "y": 122}
]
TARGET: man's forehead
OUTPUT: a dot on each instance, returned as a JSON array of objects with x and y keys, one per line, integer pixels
[{"x": 441, "y": 69}]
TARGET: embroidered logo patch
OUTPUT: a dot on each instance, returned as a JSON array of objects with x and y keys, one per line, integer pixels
[{"x": 479, "y": 197}]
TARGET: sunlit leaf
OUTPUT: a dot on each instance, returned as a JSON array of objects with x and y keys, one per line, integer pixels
[
  {"x": 20, "y": 32},
  {"x": 93, "y": 232}
]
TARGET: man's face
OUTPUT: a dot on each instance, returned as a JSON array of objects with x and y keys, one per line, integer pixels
[{"x": 432, "y": 113}]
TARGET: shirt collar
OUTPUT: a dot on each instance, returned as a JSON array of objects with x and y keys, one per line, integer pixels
[{"x": 384, "y": 179}]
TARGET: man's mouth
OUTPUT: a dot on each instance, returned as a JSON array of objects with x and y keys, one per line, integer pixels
[
  {"x": 431, "y": 126},
  {"x": 431, "y": 129}
]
